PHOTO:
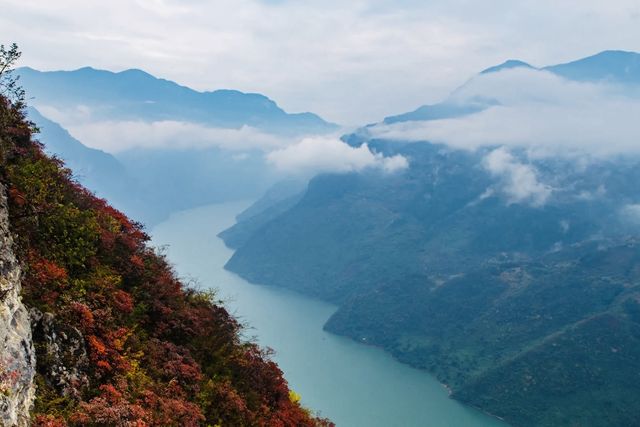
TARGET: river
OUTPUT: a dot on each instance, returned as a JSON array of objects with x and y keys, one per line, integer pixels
[{"x": 352, "y": 384}]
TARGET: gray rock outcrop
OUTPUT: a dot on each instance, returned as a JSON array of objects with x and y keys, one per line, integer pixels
[
  {"x": 17, "y": 354},
  {"x": 62, "y": 354}
]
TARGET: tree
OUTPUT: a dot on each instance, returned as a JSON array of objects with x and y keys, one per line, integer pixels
[{"x": 9, "y": 87}]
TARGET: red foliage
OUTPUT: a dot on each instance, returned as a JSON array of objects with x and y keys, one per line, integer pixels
[
  {"x": 167, "y": 411},
  {"x": 161, "y": 354},
  {"x": 122, "y": 301},
  {"x": 174, "y": 364},
  {"x": 47, "y": 272},
  {"x": 83, "y": 315},
  {"x": 49, "y": 421},
  {"x": 137, "y": 262},
  {"x": 96, "y": 346},
  {"x": 46, "y": 279},
  {"x": 110, "y": 408},
  {"x": 17, "y": 197}
]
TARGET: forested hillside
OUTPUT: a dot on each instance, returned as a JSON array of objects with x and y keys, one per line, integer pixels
[
  {"x": 119, "y": 339},
  {"x": 527, "y": 312}
]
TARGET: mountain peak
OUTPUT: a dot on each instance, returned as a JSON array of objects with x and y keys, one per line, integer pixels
[
  {"x": 615, "y": 54},
  {"x": 137, "y": 73},
  {"x": 508, "y": 64},
  {"x": 128, "y": 94}
]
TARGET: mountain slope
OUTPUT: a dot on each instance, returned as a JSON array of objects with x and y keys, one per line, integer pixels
[
  {"x": 440, "y": 268},
  {"x": 613, "y": 66},
  {"x": 119, "y": 339},
  {"x": 511, "y": 275},
  {"x": 95, "y": 169},
  {"x": 175, "y": 148}
]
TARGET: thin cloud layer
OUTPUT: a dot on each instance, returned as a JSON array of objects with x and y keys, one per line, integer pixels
[
  {"x": 632, "y": 213},
  {"x": 351, "y": 62},
  {"x": 118, "y": 136},
  {"x": 519, "y": 181},
  {"x": 536, "y": 110},
  {"x": 318, "y": 155}
]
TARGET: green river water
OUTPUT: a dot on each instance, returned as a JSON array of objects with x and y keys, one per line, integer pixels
[{"x": 352, "y": 384}]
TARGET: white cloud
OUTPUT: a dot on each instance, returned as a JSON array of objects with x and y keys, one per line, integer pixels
[
  {"x": 317, "y": 155},
  {"x": 117, "y": 136},
  {"x": 519, "y": 181},
  {"x": 353, "y": 62},
  {"x": 631, "y": 213},
  {"x": 537, "y": 110}
]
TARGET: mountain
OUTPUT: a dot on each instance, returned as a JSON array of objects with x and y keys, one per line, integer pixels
[
  {"x": 513, "y": 277},
  {"x": 138, "y": 182},
  {"x": 99, "y": 171},
  {"x": 277, "y": 200},
  {"x": 112, "y": 337},
  {"x": 137, "y": 95},
  {"x": 612, "y": 66},
  {"x": 442, "y": 110},
  {"x": 507, "y": 65},
  {"x": 617, "y": 67},
  {"x": 440, "y": 268},
  {"x": 149, "y": 182}
]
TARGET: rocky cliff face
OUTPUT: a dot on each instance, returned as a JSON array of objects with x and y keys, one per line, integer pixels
[{"x": 17, "y": 355}]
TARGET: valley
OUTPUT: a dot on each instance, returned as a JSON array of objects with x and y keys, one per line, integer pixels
[{"x": 351, "y": 383}]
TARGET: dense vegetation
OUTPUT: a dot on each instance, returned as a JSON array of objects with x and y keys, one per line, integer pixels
[
  {"x": 149, "y": 350},
  {"x": 527, "y": 312}
]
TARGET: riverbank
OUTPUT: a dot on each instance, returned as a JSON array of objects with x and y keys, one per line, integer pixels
[{"x": 353, "y": 384}]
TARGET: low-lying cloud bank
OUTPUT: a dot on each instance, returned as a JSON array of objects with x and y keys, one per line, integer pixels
[
  {"x": 537, "y": 110},
  {"x": 519, "y": 181},
  {"x": 318, "y": 155},
  {"x": 632, "y": 213},
  {"x": 118, "y": 136},
  {"x": 286, "y": 154}
]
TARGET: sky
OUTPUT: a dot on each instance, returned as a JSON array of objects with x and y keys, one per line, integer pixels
[{"x": 352, "y": 62}]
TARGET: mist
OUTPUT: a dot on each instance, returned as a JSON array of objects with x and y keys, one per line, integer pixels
[{"x": 536, "y": 110}]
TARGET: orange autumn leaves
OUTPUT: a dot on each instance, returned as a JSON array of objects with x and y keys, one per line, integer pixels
[{"x": 160, "y": 354}]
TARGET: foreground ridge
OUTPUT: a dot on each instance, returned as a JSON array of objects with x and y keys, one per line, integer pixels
[{"x": 119, "y": 340}]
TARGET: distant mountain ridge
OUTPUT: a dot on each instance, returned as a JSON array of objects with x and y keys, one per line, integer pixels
[
  {"x": 150, "y": 182},
  {"x": 135, "y": 94},
  {"x": 615, "y": 66},
  {"x": 528, "y": 308},
  {"x": 508, "y": 64},
  {"x": 97, "y": 170},
  {"x": 610, "y": 66}
]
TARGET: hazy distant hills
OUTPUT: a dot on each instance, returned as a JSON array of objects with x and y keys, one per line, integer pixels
[
  {"x": 200, "y": 147},
  {"x": 137, "y": 95},
  {"x": 90, "y": 165},
  {"x": 95, "y": 169},
  {"x": 611, "y": 66},
  {"x": 512, "y": 275}
]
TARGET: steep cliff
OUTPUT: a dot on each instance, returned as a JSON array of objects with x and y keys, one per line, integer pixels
[
  {"x": 17, "y": 355},
  {"x": 118, "y": 339}
]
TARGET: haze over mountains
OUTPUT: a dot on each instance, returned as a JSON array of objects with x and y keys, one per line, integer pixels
[
  {"x": 136, "y": 95},
  {"x": 170, "y": 147},
  {"x": 504, "y": 257},
  {"x": 608, "y": 68},
  {"x": 491, "y": 239}
]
